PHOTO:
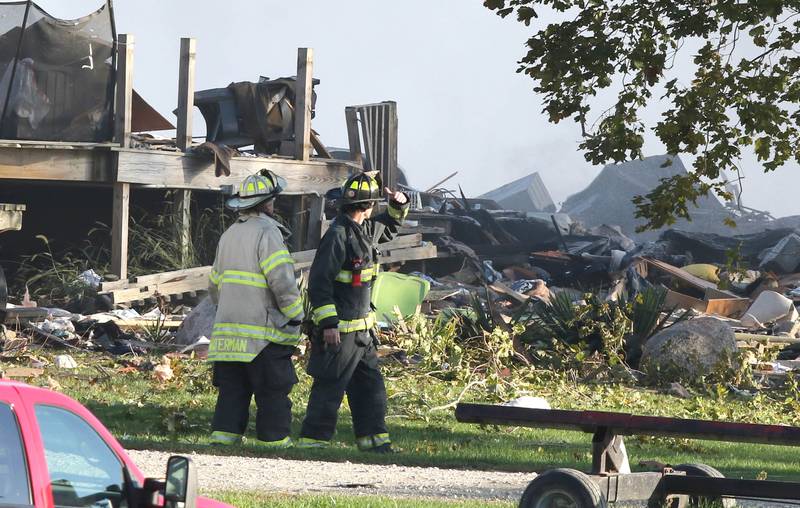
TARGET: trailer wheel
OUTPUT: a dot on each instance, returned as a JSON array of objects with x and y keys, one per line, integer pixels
[
  {"x": 562, "y": 488},
  {"x": 707, "y": 472}
]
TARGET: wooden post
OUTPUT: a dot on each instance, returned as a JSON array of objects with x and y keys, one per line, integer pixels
[
  {"x": 303, "y": 104},
  {"x": 183, "y": 216},
  {"x": 183, "y": 139},
  {"x": 353, "y": 136},
  {"x": 391, "y": 172},
  {"x": 185, "y": 93},
  {"x": 366, "y": 134},
  {"x": 124, "y": 92},
  {"x": 122, "y": 135},
  {"x": 294, "y": 207},
  {"x": 316, "y": 213},
  {"x": 119, "y": 229}
]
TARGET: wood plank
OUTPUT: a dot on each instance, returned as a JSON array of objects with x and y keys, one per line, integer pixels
[
  {"x": 174, "y": 276},
  {"x": 183, "y": 226},
  {"x": 59, "y": 145},
  {"x": 186, "y": 75},
  {"x": 196, "y": 279},
  {"x": 391, "y": 150},
  {"x": 124, "y": 93},
  {"x": 303, "y": 104},
  {"x": 319, "y": 146},
  {"x": 728, "y": 307},
  {"x": 11, "y": 217},
  {"x": 501, "y": 288},
  {"x": 138, "y": 324},
  {"x": 628, "y": 424},
  {"x": 119, "y": 229},
  {"x": 20, "y": 373},
  {"x": 353, "y": 136},
  {"x": 412, "y": 254},
  {"x": 316, "y": 214},
  {"x": 303, "y": 259},
  {"x": 57, "y": 164},
  {"x": 681, "y": 274},
  {"x": 440, "y": 182},
  {"x": 106, "y": 287},
  {"x": 425, "y": 230},
  {"x": 158, "y": 168},
  {"x": 15, "y": 314},
  {"x": 166, "y": 288},
  {"x": 402, "y": 242},
  {"x": 298, "y": 222},
  {"x": 366, "y": 131},
  {"x": 774, "y": 339}
]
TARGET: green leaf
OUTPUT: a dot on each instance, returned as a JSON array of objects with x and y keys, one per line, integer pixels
[
  {"x": 762, "y": 148},
  {"x": 494, "y": 4},
  {"x": 525, "y": 14}
]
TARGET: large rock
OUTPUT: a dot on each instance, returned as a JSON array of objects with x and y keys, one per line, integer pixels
[
  {"x": 689, "y": 350},
  {"x": 198, "y": 323}
]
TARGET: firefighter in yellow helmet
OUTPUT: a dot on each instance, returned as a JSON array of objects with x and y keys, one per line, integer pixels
[
  {"x": 257, "y": 324},
  {"x": 343, "y": 354}
]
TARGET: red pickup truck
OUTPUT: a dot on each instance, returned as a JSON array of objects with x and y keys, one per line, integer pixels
[{"x": 54, "y": 453}]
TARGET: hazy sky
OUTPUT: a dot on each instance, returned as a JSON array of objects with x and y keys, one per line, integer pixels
[{"x": 449, "y": 64}]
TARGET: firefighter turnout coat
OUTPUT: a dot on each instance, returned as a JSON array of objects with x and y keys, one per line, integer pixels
[
  {"x": 253, "y": 283},
  {"x": 346, "y": 265}
]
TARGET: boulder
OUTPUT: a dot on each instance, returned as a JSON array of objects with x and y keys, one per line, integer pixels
[
  {"x": 198, "y": 323},
  {"x": 689, "y": 350}
]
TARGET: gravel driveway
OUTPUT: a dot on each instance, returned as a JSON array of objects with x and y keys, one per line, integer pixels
[
  {"x": 217, "y": 472},
  {"x": 225, "y": 473}
]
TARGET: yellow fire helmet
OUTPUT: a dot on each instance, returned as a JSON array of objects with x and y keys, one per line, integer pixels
[
  {"x": 256, "y": 189},
  {"x": 361, "y": 188}
]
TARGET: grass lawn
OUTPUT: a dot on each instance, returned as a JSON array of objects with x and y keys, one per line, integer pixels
[
  {"x": 174, "y": 415},
  {"x": 255, "y": 500}
]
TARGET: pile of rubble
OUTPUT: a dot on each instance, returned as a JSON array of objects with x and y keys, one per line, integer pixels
[
  {"x": 734, "y": 292},
  {"x": 716, "y": 295}
]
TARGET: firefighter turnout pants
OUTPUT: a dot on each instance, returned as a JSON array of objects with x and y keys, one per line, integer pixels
[
  {"x": 269, "y": 377},
  {"x": 351, "y": 368}
]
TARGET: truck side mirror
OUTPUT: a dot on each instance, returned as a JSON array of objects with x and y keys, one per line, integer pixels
[{"x": 180, "y": 489}]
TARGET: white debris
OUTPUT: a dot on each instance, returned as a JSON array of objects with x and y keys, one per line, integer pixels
[
  {"x": 65, "y": 362},
  {"x": 529, "y": 402},
  {"x": 91, "y": 278}
]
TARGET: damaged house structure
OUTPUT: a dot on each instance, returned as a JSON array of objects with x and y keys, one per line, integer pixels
[
  {"x": 526, "y": 194},
  {"x": 75, "y": 135},
  {"x": 608, "y": 198}
]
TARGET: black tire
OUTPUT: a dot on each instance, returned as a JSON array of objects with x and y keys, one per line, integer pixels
[
  {"x": 706, "y": 472},
  {"x": 565, "y": 486}
]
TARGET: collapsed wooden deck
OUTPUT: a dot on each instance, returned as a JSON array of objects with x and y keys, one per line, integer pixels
[{"x": 119, "y": 166}]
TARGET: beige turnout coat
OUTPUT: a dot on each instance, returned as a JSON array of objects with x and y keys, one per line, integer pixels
[{"x": 253, "y": 284}]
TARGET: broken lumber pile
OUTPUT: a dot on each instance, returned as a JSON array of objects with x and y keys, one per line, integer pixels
[{"x": 192, "y": 280}]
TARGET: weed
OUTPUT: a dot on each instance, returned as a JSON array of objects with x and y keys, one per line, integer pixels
[{"x": 52, "y": 277}]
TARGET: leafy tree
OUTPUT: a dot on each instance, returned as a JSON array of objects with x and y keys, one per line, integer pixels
[{"x": 744, "y": 92}]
